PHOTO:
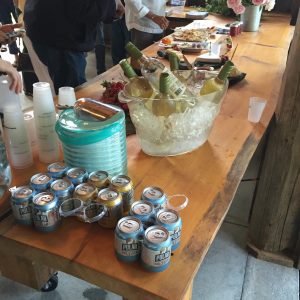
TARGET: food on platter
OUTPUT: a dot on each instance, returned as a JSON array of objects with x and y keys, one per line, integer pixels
[{"x": 191, "y": 35}]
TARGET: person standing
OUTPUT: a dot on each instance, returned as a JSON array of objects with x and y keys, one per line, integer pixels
[
  {"x": 62, "y": 31},
  {"x": 7, "y": 10},
  {"x": 119, "y": 38},
  {"x": 146, "y": 21}
]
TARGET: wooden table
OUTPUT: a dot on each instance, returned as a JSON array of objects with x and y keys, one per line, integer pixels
[{"x": 209, "y": 176}]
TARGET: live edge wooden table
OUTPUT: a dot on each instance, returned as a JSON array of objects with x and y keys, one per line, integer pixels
[{"x": 209, "y": 176}]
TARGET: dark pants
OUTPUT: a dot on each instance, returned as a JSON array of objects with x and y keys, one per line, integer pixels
[
  {"x": 66, "y": 68},
  {"x": 144, "y": 39},
  {"x": 119, "y": 38},
  {"x": 100, "y": 49},
  {"x": 7, "y": 8}
]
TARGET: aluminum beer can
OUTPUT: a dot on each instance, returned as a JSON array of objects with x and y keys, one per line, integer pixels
[
  {"x": 41, "y": 182},
  {"x": 57, "y": 170},
  {"x": 99, "y": 179},
  {"x": 86, "y": 192},
  {"x": 128, "y": 235},
  {"x": 77, "y": 175},
  {"x": 156, "y": 196},
  {"x": 156, "y": 249},
  {"x": 144, "y": 211},
  {"x": 63, "y": 189},
  {"x": 124, "y": 185},
  {"x": 113, "y": 202},
  {"x": 170, "y": 219},
  {"x": 21, "y": 203},
  {"x": 45, "y": 212}
]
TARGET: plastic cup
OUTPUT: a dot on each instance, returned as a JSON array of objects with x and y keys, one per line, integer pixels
[
  {"x": 19, "y": 148},
  {"x": 42, "y": 98},
  {"x": 256, "y": 108},
  {"x": 66, "y": 96}
]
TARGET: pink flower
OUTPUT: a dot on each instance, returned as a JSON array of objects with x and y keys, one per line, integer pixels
[
  {"x": 233, "y": 3},
  {"x": 258, "y": 2},
  {"x": 239, "y": 9}
]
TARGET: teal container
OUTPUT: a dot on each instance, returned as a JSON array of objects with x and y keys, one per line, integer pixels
[{"x": 94, "y": 144}]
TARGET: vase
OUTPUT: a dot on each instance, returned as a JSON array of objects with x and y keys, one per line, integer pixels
[{"x": 251, "y": 18}]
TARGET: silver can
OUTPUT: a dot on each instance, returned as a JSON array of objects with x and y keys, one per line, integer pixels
[
  {"x": 77, "y": 175},
  {"x": 57, "y": 170},
  {"x": 156, "y": 249},
  {"x": 156, "y": 196},
  {"x": 128, "y": 235},
  {"x": 45, "y": 212},
  {"x": 41, "y": 182},
  {"x": 171, "y": 220},
  {"x": 144, "y": 211},
  {"x": 63, "y": 189},
  {"x": 21, "y": 203},
  {"x": 113, "y": 202},
  {"x": 99, "y": 179}
]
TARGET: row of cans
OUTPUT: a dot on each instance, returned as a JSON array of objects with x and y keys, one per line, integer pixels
[{"x": 152, "y": 245}]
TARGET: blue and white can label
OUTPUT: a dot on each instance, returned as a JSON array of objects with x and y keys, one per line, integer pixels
[
  {"x": 128, "y": 239},
  {"x": 21, "y": 203},
  {"x": 156, "y": 249},
  {"x": 170, "y": 219}
]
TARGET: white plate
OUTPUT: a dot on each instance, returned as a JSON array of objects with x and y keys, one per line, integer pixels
[{"x": 196, "y": 15}]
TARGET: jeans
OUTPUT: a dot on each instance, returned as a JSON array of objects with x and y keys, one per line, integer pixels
[
  {"x": 66, "y": 68},
  {"x": 119, "y": 38}
]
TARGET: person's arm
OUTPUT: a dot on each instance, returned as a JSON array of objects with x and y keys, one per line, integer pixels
[
  {"x": 6, "y": 67},
  {"x": 140, "y": 10}
]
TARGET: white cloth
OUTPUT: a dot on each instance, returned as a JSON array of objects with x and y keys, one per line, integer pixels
[{"x": 135, "y": 11}]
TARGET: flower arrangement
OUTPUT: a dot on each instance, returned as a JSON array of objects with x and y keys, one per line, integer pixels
[
  {"x": 238, "y": 6},
  {"x": 229, "y": 7}
]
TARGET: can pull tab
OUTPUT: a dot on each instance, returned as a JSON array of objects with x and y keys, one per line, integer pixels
[{"x": 177, "y": 202}]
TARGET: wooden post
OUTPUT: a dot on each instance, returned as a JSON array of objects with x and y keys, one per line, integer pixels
[{"x": 275, "y": 222}]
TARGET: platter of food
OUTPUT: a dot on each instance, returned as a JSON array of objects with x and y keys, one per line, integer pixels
[
  {"x": 192, "y": 47},
  {"x": 191, "y": 35}
]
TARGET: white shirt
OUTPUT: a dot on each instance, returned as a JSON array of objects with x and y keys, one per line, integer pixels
[{"x": 135, "y": 11}]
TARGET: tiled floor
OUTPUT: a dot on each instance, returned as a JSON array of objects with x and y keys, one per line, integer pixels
[{"x": 227, "y": 273}]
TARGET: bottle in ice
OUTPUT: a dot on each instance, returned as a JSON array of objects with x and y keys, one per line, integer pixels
[
  {"x": 217, "y": 84},
  {"x": 152, "y": 68},
  {"x": 164, "y": 104},
  {"x": 138, "y": 86},
  {"x": 5, "y": 172}
]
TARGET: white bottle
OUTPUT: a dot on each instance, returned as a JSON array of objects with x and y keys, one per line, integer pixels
[
  {"x": 5, "y": 172},
  {"x": 16, "y": 137},
  {"x": 45, "y": 119}
]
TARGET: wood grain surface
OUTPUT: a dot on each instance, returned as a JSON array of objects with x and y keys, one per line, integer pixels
[{"x": 209, "y": 176}]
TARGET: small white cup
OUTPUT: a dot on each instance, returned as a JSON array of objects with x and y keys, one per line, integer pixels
[
  {"x": 256, "y": 108},
  {"x": 66, "y": 96}
]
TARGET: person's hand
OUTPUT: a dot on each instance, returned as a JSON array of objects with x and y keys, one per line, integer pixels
[
  {"x": 16, "y": 84},
  {"x": 120, "y": 9},
  {"x": 4, "y": 39},
  {"x": 10, "y": 27},
  {"x": 161, "y": 21}
]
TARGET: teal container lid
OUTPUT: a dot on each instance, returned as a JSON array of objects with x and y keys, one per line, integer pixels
[{"x": 73, "y": 131}]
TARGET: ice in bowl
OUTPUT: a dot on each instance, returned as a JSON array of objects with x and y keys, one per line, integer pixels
[{"x": 182, "y": 130}]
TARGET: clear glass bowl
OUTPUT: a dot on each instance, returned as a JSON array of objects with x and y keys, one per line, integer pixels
[{"x": 182, "y": 131}]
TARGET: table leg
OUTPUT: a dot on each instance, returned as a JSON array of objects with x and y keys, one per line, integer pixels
[{"x": 24, "y": 271}]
